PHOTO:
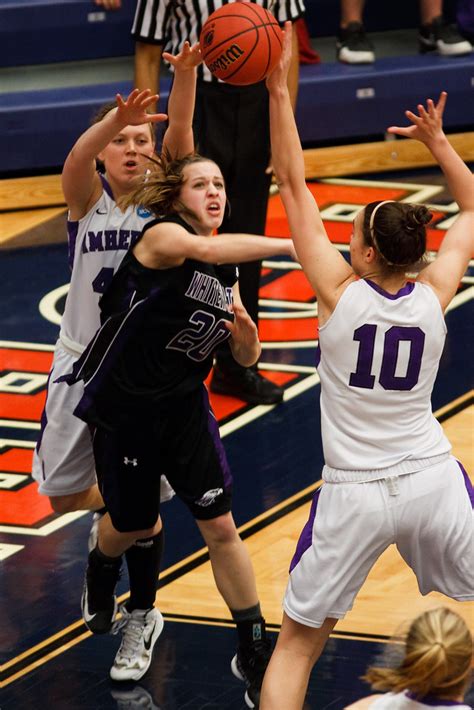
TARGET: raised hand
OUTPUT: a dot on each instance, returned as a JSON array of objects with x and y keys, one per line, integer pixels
[
  {"x": 428, "y": 125},
  {"x": 278, "y": 77},
  {"x": 188, "y": 58},
  {"x": 133, "y": 110}
]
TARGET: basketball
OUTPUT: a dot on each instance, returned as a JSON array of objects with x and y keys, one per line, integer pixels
[{"x": 241, "y": 43}]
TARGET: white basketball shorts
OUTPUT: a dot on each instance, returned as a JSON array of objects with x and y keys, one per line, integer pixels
[
  {"x": 63, "y": 462},
  {"x": 428, "y": 515}
]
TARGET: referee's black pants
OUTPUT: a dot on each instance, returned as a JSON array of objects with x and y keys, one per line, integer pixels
[{"x": 232, "y": 127}]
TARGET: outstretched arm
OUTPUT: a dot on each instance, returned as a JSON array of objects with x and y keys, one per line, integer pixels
[
  {"x": 445, "y": 273},
  {"x": 166, "y": 245},
  {"x": 178, "y": 139},
  {"x": 80, "y": 182},
  {"x": 324, "y": 266}
]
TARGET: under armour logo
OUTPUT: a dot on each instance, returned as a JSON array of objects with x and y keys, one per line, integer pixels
[{"x": 127, "y": 461}]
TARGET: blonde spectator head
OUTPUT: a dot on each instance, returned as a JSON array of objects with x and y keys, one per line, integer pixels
[{"x": 437, "y": 659}]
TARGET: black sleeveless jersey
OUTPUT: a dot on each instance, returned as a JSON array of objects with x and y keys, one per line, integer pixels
[{"x": 159, "y": 330}]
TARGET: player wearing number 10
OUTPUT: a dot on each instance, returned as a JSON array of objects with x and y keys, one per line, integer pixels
[{"x": 388, "y": 475}]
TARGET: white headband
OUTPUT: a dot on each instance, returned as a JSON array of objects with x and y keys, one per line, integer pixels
[
  {"x": 372, "y": 218},
  {"x": 372, "y": 230}
]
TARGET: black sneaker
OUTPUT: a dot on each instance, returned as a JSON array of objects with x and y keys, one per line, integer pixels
[
  {"x": 98, "y": 602},
  {"x": 249, "y": 664},
  {"x": 353, "y": 46},
  {"x": 444, "y": 38},
  {"x": 247, "y": 384}
]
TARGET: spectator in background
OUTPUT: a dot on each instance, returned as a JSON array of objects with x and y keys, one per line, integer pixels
[
  {"x": 435, "y": 669},
  {"x": 435, "y": 34},
  {"x": 231, "y": 127}
]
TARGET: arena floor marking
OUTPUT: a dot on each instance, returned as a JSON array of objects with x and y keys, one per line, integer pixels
[{"x": 292, "y": 513}]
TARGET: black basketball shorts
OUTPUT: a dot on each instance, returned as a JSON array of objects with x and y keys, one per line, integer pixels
[{"x": 180, "y": 438}]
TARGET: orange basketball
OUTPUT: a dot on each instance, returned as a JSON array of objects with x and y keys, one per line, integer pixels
[{"x": 241, "y": 43}]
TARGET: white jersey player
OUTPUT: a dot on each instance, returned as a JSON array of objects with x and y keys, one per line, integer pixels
[
  {"x": 100, "y": 234},
  {"x": 407, "y": 701},
  {"x": 389, "y": 476},
  {"x": 433, "y": 671}
]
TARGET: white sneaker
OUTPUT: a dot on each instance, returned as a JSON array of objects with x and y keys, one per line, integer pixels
[{"x": 141, "y": 629}]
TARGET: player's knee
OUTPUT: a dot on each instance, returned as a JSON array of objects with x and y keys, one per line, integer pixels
[
  {"x": 220, "y": 531},
  {"x": 137, "y": 531}
]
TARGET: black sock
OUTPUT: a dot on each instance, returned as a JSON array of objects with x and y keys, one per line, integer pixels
[
  {"x": 97, "y": 558},
  {"x": 143, "y": 562},
  {"x": 250, "y": 625}
]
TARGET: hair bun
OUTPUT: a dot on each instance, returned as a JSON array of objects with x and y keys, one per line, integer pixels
[{"x": 417, "y": 216}]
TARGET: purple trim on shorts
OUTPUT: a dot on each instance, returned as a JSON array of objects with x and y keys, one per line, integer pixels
[
  {"x": 317, "y": 357},
  {"x": 44, "y": 416},
  {"x": 106, "y": 186},
  {"x": 432, "y": 700},
  {"x": 213, "y": 429},
  {"x": 72, "y": 229},
  {"x": 468, "y": 484},
  {"x": 306, "y": 537},
  {"x": 405, "y": 291}
]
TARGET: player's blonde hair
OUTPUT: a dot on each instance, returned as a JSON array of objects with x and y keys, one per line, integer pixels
[{"x": 437, "y": 660}]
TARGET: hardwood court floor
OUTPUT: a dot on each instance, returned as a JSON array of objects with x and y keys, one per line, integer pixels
[{"x": 275, "y": 454}]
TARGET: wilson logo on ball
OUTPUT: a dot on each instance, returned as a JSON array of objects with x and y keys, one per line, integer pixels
[
  {"x": 225, "y": 60},
  {"x": 241, "y": 43}
]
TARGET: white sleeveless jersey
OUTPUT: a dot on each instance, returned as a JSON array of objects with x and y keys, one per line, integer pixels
[
  {"x": 379, "y": 359},
  {"x": 97, "y": 244},
  {"x": 404, "y": 701}
]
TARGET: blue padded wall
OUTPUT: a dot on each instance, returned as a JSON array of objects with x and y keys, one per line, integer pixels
[
  {"x": 38, "y": 128},
  {"x": 336, "y": 103},
  {"x": 42, "y": 31}
]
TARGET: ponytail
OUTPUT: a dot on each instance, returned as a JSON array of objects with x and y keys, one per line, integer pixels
[{"x": 437, "y": 660}]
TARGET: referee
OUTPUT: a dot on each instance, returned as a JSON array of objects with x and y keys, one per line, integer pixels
[{"x": 231, "y": 126}]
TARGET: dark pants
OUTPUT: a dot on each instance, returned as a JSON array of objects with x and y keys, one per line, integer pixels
[{"x": 231, "y": 126}]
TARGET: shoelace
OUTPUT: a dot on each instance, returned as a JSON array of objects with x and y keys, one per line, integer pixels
[{"x": 132, "y": 628}]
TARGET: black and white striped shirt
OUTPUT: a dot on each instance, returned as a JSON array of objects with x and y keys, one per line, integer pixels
[{"x": 171, "y": 22}]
